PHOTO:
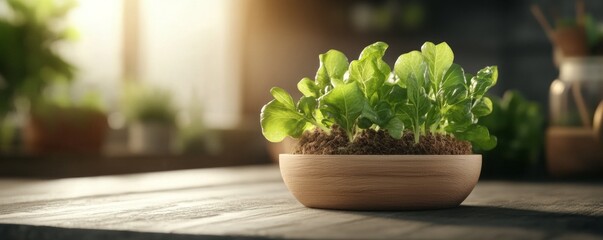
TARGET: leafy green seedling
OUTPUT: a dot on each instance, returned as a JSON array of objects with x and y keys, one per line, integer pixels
[{"x": 425, "y": 92}]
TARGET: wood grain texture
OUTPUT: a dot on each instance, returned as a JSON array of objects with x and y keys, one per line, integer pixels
[
  {"x": 380, "y": 182},
  {"x": 253, "y": 203}
]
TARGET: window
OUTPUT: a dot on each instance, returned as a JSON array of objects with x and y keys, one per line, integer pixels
[{"x": 187, "y": 46}]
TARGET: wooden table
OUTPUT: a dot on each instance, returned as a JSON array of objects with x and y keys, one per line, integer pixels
[{"x": 253, "y": 202}]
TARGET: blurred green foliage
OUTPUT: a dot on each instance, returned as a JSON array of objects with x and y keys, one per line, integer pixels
[
  {"x": 57, "y": 97},
  {"x": 7, "y": 134},
  {"x": 28, "y": 59},
  {"x": 192, "y": 137},
  {"x": 519, "y": 126},
  {"x": 148, "y": 104}
]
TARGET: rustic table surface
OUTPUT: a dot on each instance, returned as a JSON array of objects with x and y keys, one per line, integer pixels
[{"x": 253, "y": 202}]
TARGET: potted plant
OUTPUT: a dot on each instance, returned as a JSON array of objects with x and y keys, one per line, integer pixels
[
  {"x": 152, "y": 117},
  {"x": 57, "y": 124},
  {"x": 30, "y": 33},
  {"x": 375, "y": 139}
]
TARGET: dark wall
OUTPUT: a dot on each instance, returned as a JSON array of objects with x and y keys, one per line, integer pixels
[{"x": 283, "y": 39}]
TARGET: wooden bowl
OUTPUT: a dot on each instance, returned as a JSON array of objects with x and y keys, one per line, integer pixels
[{"x": 380, "y": 182}]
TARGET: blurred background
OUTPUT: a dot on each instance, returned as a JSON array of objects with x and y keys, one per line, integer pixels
[{"x": 95, "y": 87}]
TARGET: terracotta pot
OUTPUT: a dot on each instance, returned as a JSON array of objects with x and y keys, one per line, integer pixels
[
  {"x": 571, "y": 41},
  {"x": 380, "y": 182},
  {"x": 66, "y": 131}
]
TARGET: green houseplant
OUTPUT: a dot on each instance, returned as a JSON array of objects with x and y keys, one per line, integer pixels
[
  {"x": 368, "y": 132},
  {"x": 152, "y": 119},
  {"x": 30, "y": 65},
  {"x": 28, "y": 59}
]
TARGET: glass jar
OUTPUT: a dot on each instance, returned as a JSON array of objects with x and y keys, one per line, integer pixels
[{"x": 575, "y": 96}]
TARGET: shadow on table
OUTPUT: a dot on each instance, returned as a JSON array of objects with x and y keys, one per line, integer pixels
[
  {"x": 25, "y": 232},
  {"x": 502, "y": 217}
]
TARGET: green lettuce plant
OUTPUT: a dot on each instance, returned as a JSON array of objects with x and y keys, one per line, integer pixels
[{"x": 424, "y": 93}]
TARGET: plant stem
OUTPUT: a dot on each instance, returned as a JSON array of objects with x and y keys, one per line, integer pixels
[
  {"x": 417, "y": 133},
  {"x": 322, "y": 127},
  {"x": 350, "y": 136}
]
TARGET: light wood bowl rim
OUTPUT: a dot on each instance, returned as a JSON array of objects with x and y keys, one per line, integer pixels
[{"x": 386, "y": 157}]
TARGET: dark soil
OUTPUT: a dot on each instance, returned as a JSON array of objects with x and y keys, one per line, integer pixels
[{"x": 371, "y": 142}]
